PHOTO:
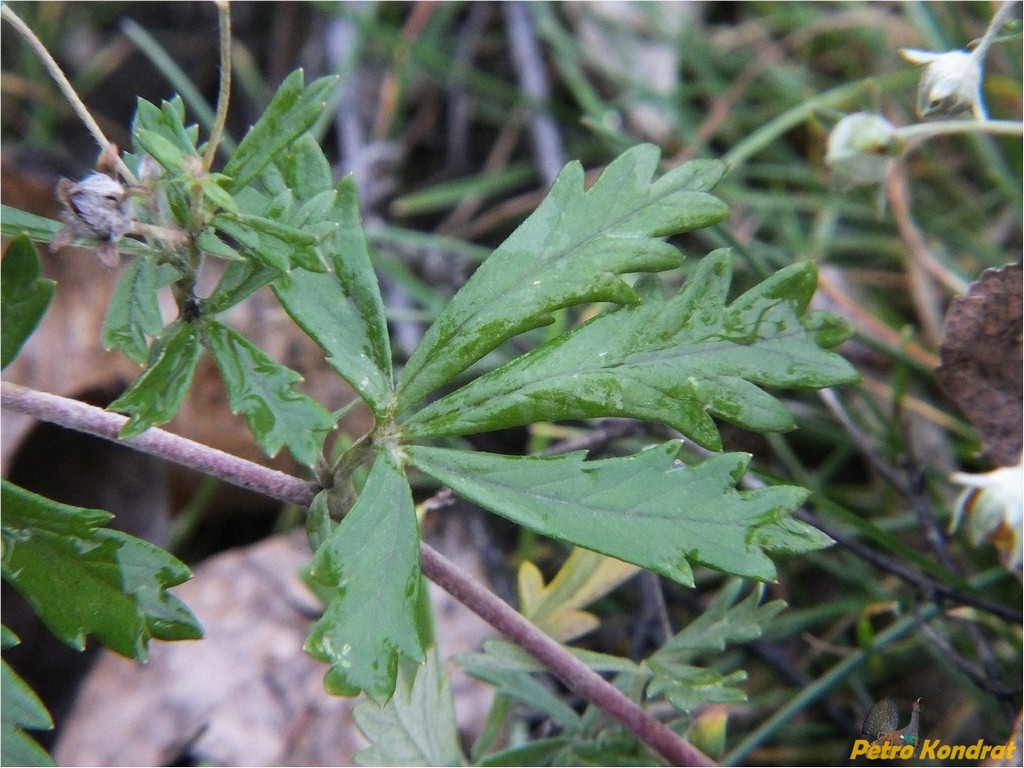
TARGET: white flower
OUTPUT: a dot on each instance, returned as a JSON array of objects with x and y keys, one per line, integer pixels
[
  {"x": 994, "y": 505},
  {"x": 951, "y": 83},
  {"x": 859, "y": 148}
]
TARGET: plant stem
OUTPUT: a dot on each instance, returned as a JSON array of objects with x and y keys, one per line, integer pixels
[
  {"x": 224, "y": 14},
  {"x": 582, "y": 680},
  {"x": 994, "y": 27},
  {"x": 921, "y": 131},
  {"x": 65, "y": 86}
]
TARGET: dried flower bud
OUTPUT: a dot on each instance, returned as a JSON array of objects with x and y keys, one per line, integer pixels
[
  {"x": 859, "y": 148},
  {"x": 950, "y": 85},
  {"x": 99, "y": 207},
  {"x": 994, "y": 505}
]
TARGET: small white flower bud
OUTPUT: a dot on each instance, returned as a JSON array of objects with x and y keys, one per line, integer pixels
[
  {"x": 859, "y": 148},
  {"x": 950, "y": 84}
]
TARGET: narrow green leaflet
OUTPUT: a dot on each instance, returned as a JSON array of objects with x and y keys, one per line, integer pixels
[
  {"x": 417, "y": 727},
  {"x": 291, "y": 113},
  {"x": 372, "y": 561},
  {"x": 240, "y": 280},
  {"x": 82, "y": 578},
  {"x": 725, "y": 621},
  {"x": 686, "y": 514},
  {"x": 571, "y": 250},
  {"x": 343, "y": 312},
  {"x": 134, "y": 311},
  {"x": 156, "y": 395},
  {"x": 14, "y": 222},
  {"x": 677, "y": 361},
  {"x": 24, "y": 296},
  {"x": 20, "y": 709},
  {"x": 264, "y": 392},
  {"x": 167, "y": 124}
]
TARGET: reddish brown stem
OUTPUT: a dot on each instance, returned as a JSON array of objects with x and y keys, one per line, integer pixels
[{"x": 582, "y": 680}]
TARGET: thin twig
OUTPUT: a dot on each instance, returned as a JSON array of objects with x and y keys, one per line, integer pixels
[
  {"x": 224, "y": 95},
  {"x": 582, "y": 680},
  {"x": 65, "y": 86}
]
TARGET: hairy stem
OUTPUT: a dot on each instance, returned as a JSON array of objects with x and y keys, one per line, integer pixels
[
  {"x": 224, "y": 14},
  {"x": 81, "y": 417}
]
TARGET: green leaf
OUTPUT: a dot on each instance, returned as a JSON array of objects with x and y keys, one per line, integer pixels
[
  {"x": 208, "y": 242},
  {"x": 14, "y": 222},
  {"x": 513, "y": 679},
  {"x": 81, "y": 578},
  {"x": 18, "y": 748},
  {"x": 417, "y": 727},
  {"x": 725, "y": 621},
  {"x": 571, "y": 250},
  {"x": 263, "y": 248},
  {"x": 264, "y": 392},
  {"x": 20, "y": 708},
  {"x": 24, "y": 297},
  {"x": 685, "y": 514},
  {"x": 156, "y": 395},
  {"x": 343, "y": 312},
  {"x": 161, "y": 149},
  {"x": 372, "y": 561},
  {"x": 504, "y": 654},
  {"x": 161, "y": 132},
  {"x": 240, "y": 280},
  {"x": 134, "y": 311},
  {"x": 291, "y": 113},
  {"x": 673, "y": 361}
]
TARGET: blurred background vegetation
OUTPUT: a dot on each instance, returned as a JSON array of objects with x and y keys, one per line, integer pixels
[{"x": 455, "y": 117}]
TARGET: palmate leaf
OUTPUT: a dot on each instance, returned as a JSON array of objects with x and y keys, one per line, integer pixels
[
  {"x": 673, "y": 361},
  {"x": 371, "y": 562},
  {"x": 417, "y": 727},
  {"x": 82, "y": 578},
  {"x": 571, "y": 250},
  {"x": 264, "y": 392},
  {"x": 685, "y": 514},
  {"x": 24, "y": 299},
  {"x": 725, "y": 621}
]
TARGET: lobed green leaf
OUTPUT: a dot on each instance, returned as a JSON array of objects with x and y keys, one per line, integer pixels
[
  {"x": 343, "y": 312},
  {"x": 725, "y": 621},
  {"x": 263, "y": 391},
  {"x": 156, "y": 395},
  {"x": 678, "y": 361},
  {"x": 81, "y": 578},
  {"x": 417, "y": 726},
  {"x": 686, "y": 514},
  {"x": 167, "y": 122},
  {"x": 372, "y": 561},
  {"x": 291, "y": 113},
  {"x": 571, "y": 250},
  {"x": 24, "y": 296},
  {"x": 134, "y": 311}
]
